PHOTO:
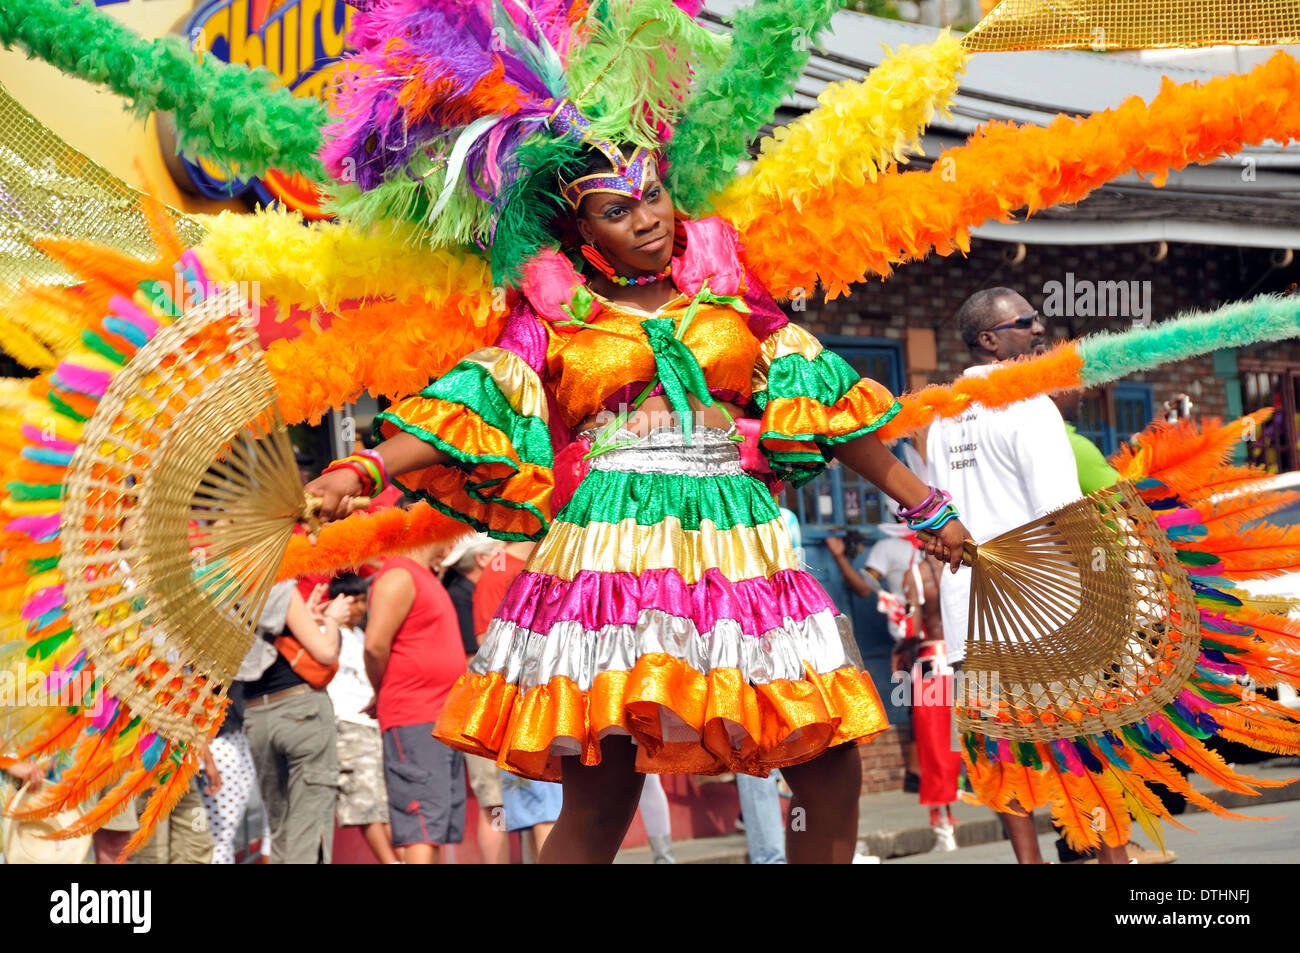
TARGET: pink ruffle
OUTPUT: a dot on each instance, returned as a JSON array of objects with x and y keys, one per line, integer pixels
[{"x": 538, "y": 602}]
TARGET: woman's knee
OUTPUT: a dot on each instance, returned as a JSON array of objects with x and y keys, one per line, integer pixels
[{"x": 835, "y": 774}]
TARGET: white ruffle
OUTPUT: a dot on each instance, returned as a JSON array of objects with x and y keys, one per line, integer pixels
[{"x": 527, "y": 658}]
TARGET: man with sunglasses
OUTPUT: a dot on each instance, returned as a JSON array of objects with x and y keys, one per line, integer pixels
[{"x": 1004, "y": 468}]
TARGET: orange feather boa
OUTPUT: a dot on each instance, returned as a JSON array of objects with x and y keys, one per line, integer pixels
[
  {"x": 391, "y": 348},
  {"x": 847, "y": 230},
  {"x": 362, "y": 536}
]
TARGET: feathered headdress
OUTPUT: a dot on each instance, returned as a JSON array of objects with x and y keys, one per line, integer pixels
[{"x": 463, "y": 116}]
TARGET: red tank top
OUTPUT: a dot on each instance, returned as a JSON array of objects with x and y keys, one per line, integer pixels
[{"x": 427, "y": 655}]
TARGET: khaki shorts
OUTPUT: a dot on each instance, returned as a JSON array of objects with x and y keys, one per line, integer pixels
[
  {"x": 127, "y": 820},
  {"x": 363, "y": 797},
  {"x": 182, "y": 837},
  {"x": 484, "y": 781}
]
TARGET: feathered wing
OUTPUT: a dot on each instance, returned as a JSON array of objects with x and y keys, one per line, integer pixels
[
  {"x": 1245, "y": 644},
  {"x": 772, "y": 41},
  {"x": 823, "y": 239}
]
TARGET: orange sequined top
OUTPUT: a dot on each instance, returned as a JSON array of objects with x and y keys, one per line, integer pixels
[{"x": 503, "y": 411}]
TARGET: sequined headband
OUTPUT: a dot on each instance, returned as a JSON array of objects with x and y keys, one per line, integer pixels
[{"x": 630, "y": 175}]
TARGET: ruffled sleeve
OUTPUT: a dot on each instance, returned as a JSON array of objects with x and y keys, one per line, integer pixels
[
  {"x": 491, "y": 415},
  {"x": 811, "y": 399}
]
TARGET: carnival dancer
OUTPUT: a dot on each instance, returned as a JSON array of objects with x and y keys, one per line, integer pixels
[{"x": 662, "y": 625}]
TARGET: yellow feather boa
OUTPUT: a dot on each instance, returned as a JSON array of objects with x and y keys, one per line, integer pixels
[
  {"x": 859, "y": 128},
  {"x": 323, "y": 264},
  {"x": 403, "y": 312}
]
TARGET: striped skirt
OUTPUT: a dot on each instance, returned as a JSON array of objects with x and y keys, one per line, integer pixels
[{"x": 665, "y": 603}]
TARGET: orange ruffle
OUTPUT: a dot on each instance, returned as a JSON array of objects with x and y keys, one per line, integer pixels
[
  {"x": 505, "y": 489},
  {"x": 862, "y": 405},
  {"x": 780, "y": 723}
]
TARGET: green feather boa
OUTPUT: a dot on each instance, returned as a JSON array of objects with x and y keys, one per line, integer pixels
[
  {"x": 229, "y": 114},
  {"x": 771, "y": 43},
  {"x": 1108, "y": 357}
]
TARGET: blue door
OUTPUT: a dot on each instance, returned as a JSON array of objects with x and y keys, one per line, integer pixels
[{"x": 839, "y": 499}]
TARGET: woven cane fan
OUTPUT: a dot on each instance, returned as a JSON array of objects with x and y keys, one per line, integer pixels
[
  {"x": 178, "y": 507},
  {"x": 1081, "y": 621}
]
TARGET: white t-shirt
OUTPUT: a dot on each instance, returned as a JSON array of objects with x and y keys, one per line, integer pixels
[
  {"x": 1004, "y": 468},
  {"x": 350, "y": 689},
  {"x": 891, "y": 557}
]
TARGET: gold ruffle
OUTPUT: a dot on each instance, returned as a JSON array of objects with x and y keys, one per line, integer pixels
[
  {"x": 742, "y": 552},
  {"x": 518, "y": 382},
  {"x": 864, "y": 404},
  {"x": 721, "y": 723},
  {"x": 785, "y": 340}
]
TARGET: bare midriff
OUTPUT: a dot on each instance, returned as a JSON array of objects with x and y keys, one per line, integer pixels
[{"x": 657, "y": 412}]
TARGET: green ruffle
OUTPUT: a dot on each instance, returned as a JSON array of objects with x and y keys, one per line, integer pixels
[
  {"x": 825, "y": 379},
  {"x": 607, "y": 496},
  {"x": 471, "y": 386}
]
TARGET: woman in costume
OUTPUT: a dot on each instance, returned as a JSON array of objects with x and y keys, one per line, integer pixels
[
  {"x": 661, "y": 625},
  {"x": 437, "y": 135}
]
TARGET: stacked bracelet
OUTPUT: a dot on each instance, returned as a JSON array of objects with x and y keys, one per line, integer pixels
[
  {"x": 369, "y": 468},
  {"x": 932, "y": 513},
  {"x": 910, "y": 512}
]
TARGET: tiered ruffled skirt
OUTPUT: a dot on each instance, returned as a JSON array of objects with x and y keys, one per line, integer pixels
[{"x": 665, "y": 603}]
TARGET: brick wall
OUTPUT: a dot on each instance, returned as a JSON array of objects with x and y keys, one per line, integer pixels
[
  {"x": 916, "y": 305},
  {"x": 884, "y": 760}
]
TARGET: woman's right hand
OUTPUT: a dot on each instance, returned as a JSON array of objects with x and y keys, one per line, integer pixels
[{"x": 335, "y": 490}]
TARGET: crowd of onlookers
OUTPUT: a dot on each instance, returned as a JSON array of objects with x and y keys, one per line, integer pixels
[{"x": 330, "y": 721}]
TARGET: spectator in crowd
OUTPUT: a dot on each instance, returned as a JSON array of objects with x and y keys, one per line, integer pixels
[
  {"x": 654, "y": 815},
  {"x": 761, "y": 814},
  {"x": 881, "y": 580},
  {"x": 1003, "y": 467},
  {"x": 930, "y": 694},
  {"x": 290, "y": 726},
  {"x": 184, "y": 835},
  {"x": 362, "y": 797},
  {"x": 227, "y": 802},
  {"x": 464, "y": 565},
  {"x": 530, "y": 807},
  {"x": 413, "y": 655}
]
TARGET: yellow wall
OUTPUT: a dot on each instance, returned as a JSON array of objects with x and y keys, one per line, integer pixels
[{"x": 94, "y": 121}]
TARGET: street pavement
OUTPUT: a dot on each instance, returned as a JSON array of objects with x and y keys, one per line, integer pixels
[
  {"x": 1272, "y": 838},
  {"x": 894, "y": 827}
]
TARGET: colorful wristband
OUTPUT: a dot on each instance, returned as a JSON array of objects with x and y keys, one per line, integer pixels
[{"x": 908, "y": 513}]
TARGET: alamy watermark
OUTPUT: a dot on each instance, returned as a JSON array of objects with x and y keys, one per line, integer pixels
[
  {"x": 180, "y": 292},
  {"x": 1083, "y": 298},
  {"x": 38, "y": 689}
]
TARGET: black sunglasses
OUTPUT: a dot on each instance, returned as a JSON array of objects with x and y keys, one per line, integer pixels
[{"x": 1022, "y": 323}]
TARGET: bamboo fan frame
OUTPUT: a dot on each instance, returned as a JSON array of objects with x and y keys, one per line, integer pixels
[
  {"x": 1082, "y": 621},
  {"x": 178, "y": 506}
]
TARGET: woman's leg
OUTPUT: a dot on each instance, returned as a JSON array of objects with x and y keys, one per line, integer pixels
[
  {"x": 824, "y": 812},
  {"x": 226, "y": 808},
  {"x": 599, "y": 804}
]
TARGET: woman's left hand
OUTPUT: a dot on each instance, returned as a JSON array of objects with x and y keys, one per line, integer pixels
[{"x": 946, "y": 543}]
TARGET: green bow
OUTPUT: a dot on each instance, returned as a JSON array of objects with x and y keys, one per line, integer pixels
[
  {"x": 678, "y": 371},
  {"x": 676, "y": 367}
]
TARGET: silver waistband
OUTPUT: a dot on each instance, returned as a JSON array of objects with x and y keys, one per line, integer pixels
[{"x": 664, "y": 450}]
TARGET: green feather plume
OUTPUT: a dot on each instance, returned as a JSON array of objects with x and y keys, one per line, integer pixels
[
  {"x": 527, "y": 208},
  {"x": 639, "y": 63},
  {"x": 227, "y": 113},
  {"x": 1108, "y": 357},
  {"x": 771, "y": 43},
  {"x": 410, "y": 198}
]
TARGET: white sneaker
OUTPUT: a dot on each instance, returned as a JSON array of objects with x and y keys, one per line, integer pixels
[
  {"x": 862, "y": 856},
  {"x": 945, "y": 839}
]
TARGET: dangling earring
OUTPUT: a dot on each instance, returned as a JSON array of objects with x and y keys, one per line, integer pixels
[
  {"x": 598, "y": 261},
  {"x": 679, "y": 237}
]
